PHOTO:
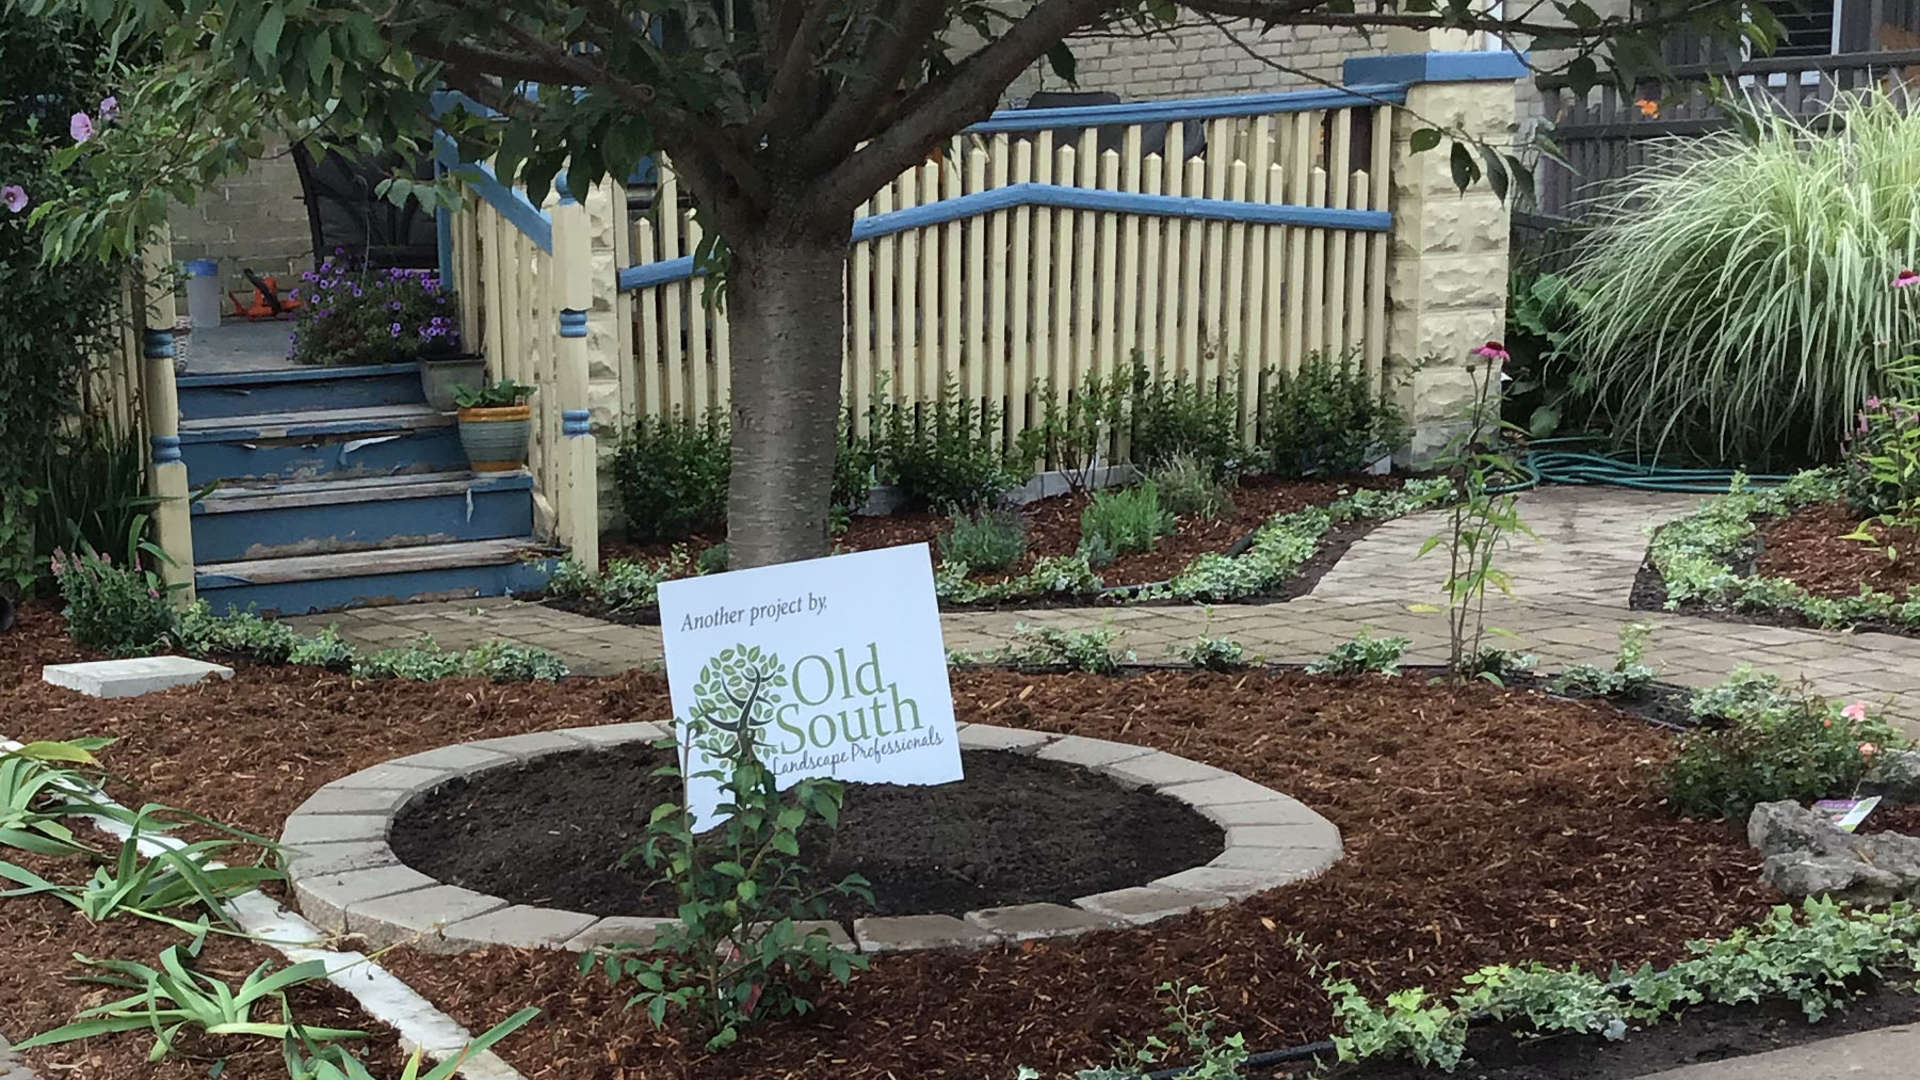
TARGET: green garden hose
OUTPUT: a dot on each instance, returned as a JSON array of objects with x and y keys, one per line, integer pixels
[{"x": 1544, "y": 464}]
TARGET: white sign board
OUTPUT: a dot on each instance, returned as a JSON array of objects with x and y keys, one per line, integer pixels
[{"x": 849, "y": 679}]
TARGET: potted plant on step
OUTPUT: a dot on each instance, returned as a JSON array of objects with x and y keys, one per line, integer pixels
[{"x": 494, "y": 424}]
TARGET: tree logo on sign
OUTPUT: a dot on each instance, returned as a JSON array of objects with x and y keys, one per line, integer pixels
[{"x": 734, "y": 699}]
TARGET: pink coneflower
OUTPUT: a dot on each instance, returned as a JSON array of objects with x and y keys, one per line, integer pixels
[
  {"x": 1905, "y": 278},
  {"x": 1493, "y": 351},
  {"x": 14, "y": 198},
  {"x": 80, "y": 127}
]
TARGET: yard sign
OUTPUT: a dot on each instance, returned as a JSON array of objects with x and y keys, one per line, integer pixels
[{"x": 836, "y": 664}]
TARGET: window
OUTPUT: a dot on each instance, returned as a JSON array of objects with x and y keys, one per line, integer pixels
[{"x": 1810, "y": 27}]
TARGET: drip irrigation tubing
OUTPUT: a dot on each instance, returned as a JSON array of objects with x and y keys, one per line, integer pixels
[
  {"x": 1557, "y": 461},
  {"x": 1254, "y": 1061}
]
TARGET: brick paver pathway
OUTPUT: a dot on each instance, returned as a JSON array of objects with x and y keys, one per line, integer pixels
[{"x": 1569, "y": 602}]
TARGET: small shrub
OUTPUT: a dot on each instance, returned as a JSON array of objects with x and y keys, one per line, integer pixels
[
  {"x": 1495, "y": 665},
  {"x": 1765, "y": 743},
  {"x": 245, "y": 635},
  {"x": 1328, "y": 419},
  {"x": 1628, "y": 677},
  {"x": 624, "y": 585},
  {"x": 853, "y": 470},
  {"x": 1051, "y": 575},
  {"x": 943, "y": 455},
  {"x": 711, "y": 560},
  {"x": 1097, "y": 550},
  {"x": 1190, "y": 488},
  {"x": 989, "y": 540},
  {"x": 1091, "y": 650},
  {"x": 326, "y": 649},
  {"x": 671, "y": 477},
  {"x": 1212, "y": 654},
  {"x": 1130, "y": 520},
  {"x": 1072, "y": 437},
  {"x": 425, "y": 661},
  {"x": 736, "y": 953},
  {"x": 1363, "y": 653},
  {"x": 118, "y": 609},
  {"x": 1172, "y": 417},
  {"x": 507, "y": 662},
  {"x": 421, "y": 661},
  {"x": 1882, "y": 475}
]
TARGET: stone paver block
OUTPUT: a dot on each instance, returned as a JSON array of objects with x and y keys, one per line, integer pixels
[
  {"x": 531, "y": 745},
  {"x": 837, "y": 935},
  {"x": 1315, "y": 834},
  {"x": 325, "y": 898},
  {"x": 1282, "y": 864},
  {"x": 343, "y": 800},
  {"x": 618, "y": 930},
  {"x": 334, "y": 828},
  {"x": 313, "y": 859},
  {"x": 454, "y": 760},
  {"x": 416, "y": 918},
  {"x": 520, "y": 926},
  {"x": 1234, "y": 883},
  {"x": 408, "y": 778},
  {"x": 1222, "y": 791},
  {"x": 1160, "y": 770},
  {"x": 899, "y": 933},
  {"x": 1027, "y": 922},
  {"x": 1091, "y": 753},
  {"x": 988, "y": 737},
  {"x": 618, "y": 734},
  {"x": 132, "y": 677},
  {"x": 1144, "y": 904}
]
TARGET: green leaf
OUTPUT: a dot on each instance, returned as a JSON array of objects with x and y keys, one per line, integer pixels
[
  {"x": 266, "y": 37},
  {"x": 1424, "y": 139},
  {"x": 1465, "y": 169}
]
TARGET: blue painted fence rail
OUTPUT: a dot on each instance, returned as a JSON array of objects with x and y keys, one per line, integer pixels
[{"x": 1059, "y": 197}]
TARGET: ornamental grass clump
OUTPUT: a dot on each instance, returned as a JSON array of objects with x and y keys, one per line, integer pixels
[{"x": 1737, "y": 297}]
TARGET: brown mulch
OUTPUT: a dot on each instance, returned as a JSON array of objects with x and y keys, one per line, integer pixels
[
  {"x": 1806, "y": 547},
  {"x": 1053, "y": 528},
  {"x": 1482, "y": 826}
]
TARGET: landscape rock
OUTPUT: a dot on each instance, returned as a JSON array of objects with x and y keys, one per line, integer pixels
[
  {"x": 1895, "y": 775},
  {"x": 1806, "y": 855}
]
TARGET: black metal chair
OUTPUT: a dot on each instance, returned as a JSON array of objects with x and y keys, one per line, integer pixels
[
  {"x": 345, "y": 213},
  {"x": 1153, "y": 137}
]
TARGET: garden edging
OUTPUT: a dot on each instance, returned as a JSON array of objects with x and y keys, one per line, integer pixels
[{"x": 347, "y": 879}]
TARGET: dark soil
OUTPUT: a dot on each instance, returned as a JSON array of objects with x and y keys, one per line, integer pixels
[
  {"x": 1481, "y": 826},
  {"x": 1805, "y": 547},
  {"x": 1053, "y": 528},
  {"x": 1705, "y": 1034},
  {"x": 1015, "y": 831}
]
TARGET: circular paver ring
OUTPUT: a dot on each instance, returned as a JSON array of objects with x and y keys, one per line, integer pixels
[{"x": 346, "y": 878}]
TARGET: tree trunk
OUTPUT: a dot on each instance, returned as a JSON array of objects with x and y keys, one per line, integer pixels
[{"x": 786, "y": 310}]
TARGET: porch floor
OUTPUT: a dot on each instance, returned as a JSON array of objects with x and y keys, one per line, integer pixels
[{"x": 237, "y": 345}]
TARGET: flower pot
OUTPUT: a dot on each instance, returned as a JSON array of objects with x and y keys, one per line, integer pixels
[
  {"x": 496, "y": 439},
  {"x": 440, "y": 376}
]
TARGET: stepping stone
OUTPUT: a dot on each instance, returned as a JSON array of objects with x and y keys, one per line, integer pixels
[{"x": 132, "y": 677}]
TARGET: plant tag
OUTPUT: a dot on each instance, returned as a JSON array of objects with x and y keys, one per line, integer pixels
[{"x": 1846, "y": 814}]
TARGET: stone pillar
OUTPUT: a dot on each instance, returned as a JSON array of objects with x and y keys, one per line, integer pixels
[
  {"x": 577, "y": 505},
  {"x": 1447, "y": 257},
  {"x": 612, "y": 379},
  {"x": 166, "y": 472}
]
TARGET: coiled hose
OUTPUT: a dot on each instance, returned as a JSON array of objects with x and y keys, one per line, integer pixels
[{"x": 1556, "y": 461}]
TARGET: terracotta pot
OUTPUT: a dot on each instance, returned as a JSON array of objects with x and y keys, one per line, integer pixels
[{"x": 496, "y": 438}]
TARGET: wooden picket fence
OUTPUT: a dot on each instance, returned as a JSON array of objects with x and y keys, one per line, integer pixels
[{"x": 1209, "y": 240}]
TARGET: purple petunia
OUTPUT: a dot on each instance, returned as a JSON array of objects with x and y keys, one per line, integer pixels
[
  {"x": 14, "y": 197},
  {"x": 109, "y": 109},
  {"x": 80, "y": 127}
]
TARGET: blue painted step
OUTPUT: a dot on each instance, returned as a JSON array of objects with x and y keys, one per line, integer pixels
[
  {"x": 298, "y": 585},
  {"x": 323, "y": 444},
  {"x": 304, "y": 389},
  {"x": 317, "y": 517}
]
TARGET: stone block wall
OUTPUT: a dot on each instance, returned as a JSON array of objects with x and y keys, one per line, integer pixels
[
  {"x": 255, "y": 221},
  {"x": 1198, "y": 59}
]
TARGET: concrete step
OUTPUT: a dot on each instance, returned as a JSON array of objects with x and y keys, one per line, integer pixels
[
  {"x": 300, "y": 389},
  {"x": 300, "y": 584},
  {"x": 376, "y": 440},
  {"x": 317, "y": 517}
]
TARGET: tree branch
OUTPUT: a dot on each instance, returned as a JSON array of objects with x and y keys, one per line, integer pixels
[{"x": 891, "y": 48}]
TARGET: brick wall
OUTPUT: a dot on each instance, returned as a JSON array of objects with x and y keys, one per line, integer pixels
[
  {"x": 1198, "y": 59},
  {"x": 252, "y": 221}
]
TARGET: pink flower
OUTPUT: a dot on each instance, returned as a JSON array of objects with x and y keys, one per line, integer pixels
[
  {"x": 1863, "y": 424},
  {"x": 1905, "y": 278},
  {"x": 1493, "y": 351},
  {"x": 1857, "y": 711},
  {"x": 109, "y": 109},
  {"x": 14, "y": 197},
  {"x": 80, "y": 127},
  {"x": 1873, "y": 404},
  {"x": 1868, "y": 749}
]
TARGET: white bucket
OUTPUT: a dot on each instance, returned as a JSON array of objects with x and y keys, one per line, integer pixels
[{"x": 203, "y": 293}]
